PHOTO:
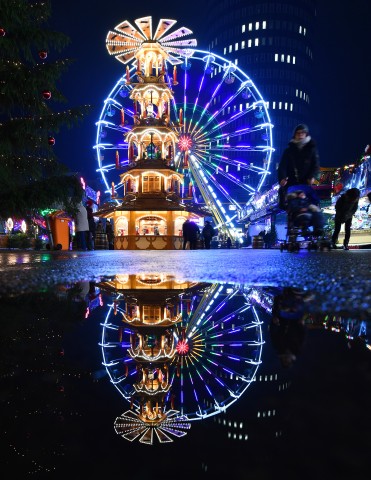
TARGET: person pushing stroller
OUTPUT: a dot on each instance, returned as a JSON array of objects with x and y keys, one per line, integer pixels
[{"x": 299, "y": 164}]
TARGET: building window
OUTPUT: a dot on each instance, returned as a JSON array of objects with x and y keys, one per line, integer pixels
[
  {"x": 264, "y": 25},
  {"x": 243, "y": 44},
  {"x": 230, "y": 48},
  {"x": 249, "y": 43},
  {"x": 243, "y": 28},
  {"x": 235, "y": 47},
  {"x": 250, "y": 27},
  {"x": 257, "y": 25},
  {"x": 256, "y": 42},
  {"x": 151, "y": 313},
  {"x": 276, "y": 57},
  {"x": 151, "y": 183}
]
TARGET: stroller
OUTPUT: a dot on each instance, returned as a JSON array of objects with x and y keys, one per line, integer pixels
[{"x": 305, "y": 222}]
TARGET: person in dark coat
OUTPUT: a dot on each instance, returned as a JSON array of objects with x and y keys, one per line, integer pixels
[
  {"x": 208, "y": 232},
  {"x": 193, "y": 234},
  {"x": 299, "y": 163},
  {"x": 110, "y": 235},
  {"x": 345, "y": 207},
  {"x": 92, "y": 225},
  {"x": 185, "y": 231}
]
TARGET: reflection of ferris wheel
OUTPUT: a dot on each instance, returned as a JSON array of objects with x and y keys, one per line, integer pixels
[
  {"x": 218, "y": 345},
  {"x": 221, "y": 121}
]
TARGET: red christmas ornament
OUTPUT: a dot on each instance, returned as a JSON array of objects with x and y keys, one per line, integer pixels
[
  {"x": 47, "y": 95},
  {"x": 43, "y": 54},
  {"x": 2, "y": 32},
  {"x": 51, "y": 141}
]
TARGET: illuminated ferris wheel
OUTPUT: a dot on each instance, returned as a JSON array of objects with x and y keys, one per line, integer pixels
[
  {"x": 222, "y": 125},
  {"x": 217, "y": 347}
]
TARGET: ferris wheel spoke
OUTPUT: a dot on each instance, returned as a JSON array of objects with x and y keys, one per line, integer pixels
[
  {"x": 229, "y": 369},
  {"x": 227, "y": 175},
  {"x": 239, "y": 163},
  {"x": 209, "y": 177}
]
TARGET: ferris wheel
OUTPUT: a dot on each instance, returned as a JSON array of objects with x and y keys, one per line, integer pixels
[
  {"x": 222, "y": 124},
  {"x": 218, "y": 350}
]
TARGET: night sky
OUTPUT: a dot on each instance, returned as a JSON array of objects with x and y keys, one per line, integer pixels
[{"x": 341, "y": 65}]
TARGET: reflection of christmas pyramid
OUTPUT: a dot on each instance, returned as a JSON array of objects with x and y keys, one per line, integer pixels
[
  {"x": 131, "y": 426},
  {"x": 172, "y": 346}
]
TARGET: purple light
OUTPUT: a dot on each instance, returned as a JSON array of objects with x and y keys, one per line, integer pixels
[
  {"x": 234, "y": 358},
  {"x": 228, "y": 371},
  {"x": 195, "y": 394}
]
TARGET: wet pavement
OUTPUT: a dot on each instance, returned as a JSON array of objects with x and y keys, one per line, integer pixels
[{"x": 341, "y": 279}]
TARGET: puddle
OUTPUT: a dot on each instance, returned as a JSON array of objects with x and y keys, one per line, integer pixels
[{"x": 147, "y": 371}]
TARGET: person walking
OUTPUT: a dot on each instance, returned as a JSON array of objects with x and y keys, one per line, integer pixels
[
  {"x": 92, "y": 225},
  {"x": 193, "y": 234},
  {"x": 345, "y": 207},
  {"x": 208, "y": 232},
  {"x": 110, "y": 235},
  {"x": 299, "y": 164},
  {"x": 185, "y": 231},
  {"x": 81, "y": 227}
]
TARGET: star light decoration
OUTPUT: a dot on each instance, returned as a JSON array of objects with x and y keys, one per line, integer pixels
[
  {"x": 182, "y": 347},
  {"x": 126, "y": 40},
  {"x": 185, "y": 143}
]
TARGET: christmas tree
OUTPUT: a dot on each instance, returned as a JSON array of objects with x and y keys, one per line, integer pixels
[{"x": 31, "y": 176}]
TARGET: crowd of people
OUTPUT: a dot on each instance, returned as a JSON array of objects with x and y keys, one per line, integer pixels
[{"x": 87, "y": 229}]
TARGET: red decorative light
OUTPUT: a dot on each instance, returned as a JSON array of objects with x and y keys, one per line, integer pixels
[
  {"x": 185, "y": 143},
  {"x": 47, "y": 94},
  {"x": 182, "y": 347},
  {"x": 2, "y": 32},
  {"x": 51, "y": 141},
  {"x": 43, "y": 54}
]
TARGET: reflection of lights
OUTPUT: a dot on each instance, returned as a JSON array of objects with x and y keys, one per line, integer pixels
[
  {"x": 151, "y": 279},
  {"x": 182, "y": 347},
  {"x": 23, "y": 226},
  {"x": 122, "y": 278}
]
